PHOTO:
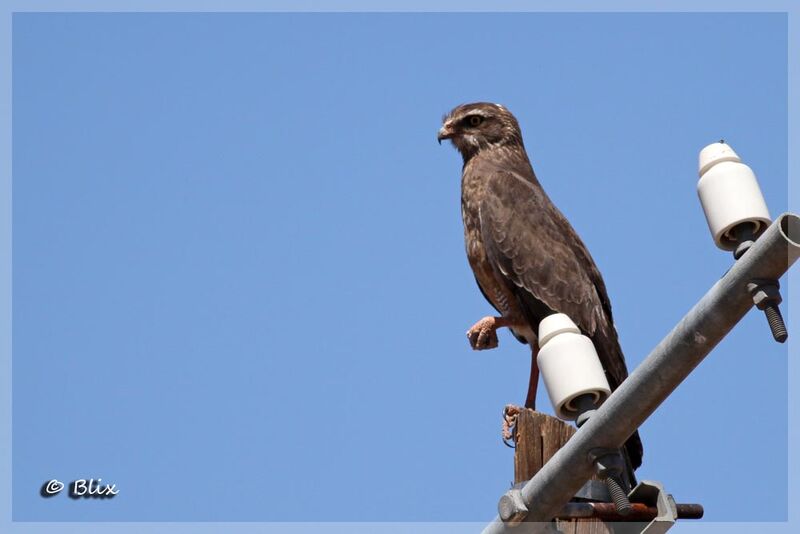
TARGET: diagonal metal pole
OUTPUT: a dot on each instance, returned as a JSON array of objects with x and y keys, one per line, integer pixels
[{"x": 659, "y": 374}]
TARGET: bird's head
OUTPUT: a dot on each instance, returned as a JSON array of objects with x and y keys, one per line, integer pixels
[{"x": 479, "y": 126}]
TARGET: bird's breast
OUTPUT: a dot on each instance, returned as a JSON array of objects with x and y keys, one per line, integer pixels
[{"x": 495, "y": 288}]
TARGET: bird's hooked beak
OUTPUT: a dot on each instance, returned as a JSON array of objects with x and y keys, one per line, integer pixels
[{"x": 444, "y": 133}]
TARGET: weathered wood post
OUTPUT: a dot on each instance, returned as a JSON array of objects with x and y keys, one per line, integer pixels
[{"x": 538, "y": 437}]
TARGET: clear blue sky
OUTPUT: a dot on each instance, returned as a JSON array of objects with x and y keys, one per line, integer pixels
[{"x": 239, "y": 279}]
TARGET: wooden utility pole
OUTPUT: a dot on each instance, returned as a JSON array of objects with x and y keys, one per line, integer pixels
[{"x": 538, "y": 437}]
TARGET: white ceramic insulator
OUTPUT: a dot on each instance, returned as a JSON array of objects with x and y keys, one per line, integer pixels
[
  {"x": 569, "y": 365},
  {"x": 730, "y": 194}
]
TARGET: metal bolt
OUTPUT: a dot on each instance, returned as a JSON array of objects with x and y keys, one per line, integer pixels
[
  {"x": 585, "y": 407},
  {"x": 618, "y": 495},
  {"x": 609, "y": 465},
  {"x": 511, "y": 508},
  {"x": 776, "y": 323},
  {"x": 745, "y": 236},
  {"x": 766, "y": 296}
]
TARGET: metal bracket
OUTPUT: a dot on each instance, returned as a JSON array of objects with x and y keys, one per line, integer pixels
[
  {"x": 652, "y": 493},
  {"x": 594, "y": 490}
]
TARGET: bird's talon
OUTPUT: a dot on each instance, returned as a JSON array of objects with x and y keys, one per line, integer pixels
[
  {"x": 510, "y": 414},
  {"x": 483, "y": 334}
]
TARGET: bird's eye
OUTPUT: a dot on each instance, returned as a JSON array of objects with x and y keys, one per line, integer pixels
[{"x": 474, "y": 120}]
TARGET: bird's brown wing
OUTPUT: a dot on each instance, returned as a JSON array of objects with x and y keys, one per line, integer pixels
[{"x": 532, "y": 246}]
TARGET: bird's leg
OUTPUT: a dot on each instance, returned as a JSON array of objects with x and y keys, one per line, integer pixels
[
  {"x": 483, "y": 334},
  {"x": 533, "y": 382}
]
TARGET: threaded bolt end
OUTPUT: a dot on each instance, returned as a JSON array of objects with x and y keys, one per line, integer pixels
[
  {"x": 776, "y": 324},
  {"x": 618, "y": 495}
]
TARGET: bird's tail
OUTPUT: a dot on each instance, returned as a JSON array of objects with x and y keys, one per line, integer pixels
[
  {"x": 632, "y": 453},
  {"x": 607, "y": 345},
  {"x": 635, "y": 450}
]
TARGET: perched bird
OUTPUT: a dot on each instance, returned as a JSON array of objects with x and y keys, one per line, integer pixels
[{"x": 527, "y": 259}]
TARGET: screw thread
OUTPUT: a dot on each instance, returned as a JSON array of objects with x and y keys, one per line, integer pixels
[
  {"x": 618, "y": 495},
  {"x": 776, "y": 324}
]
